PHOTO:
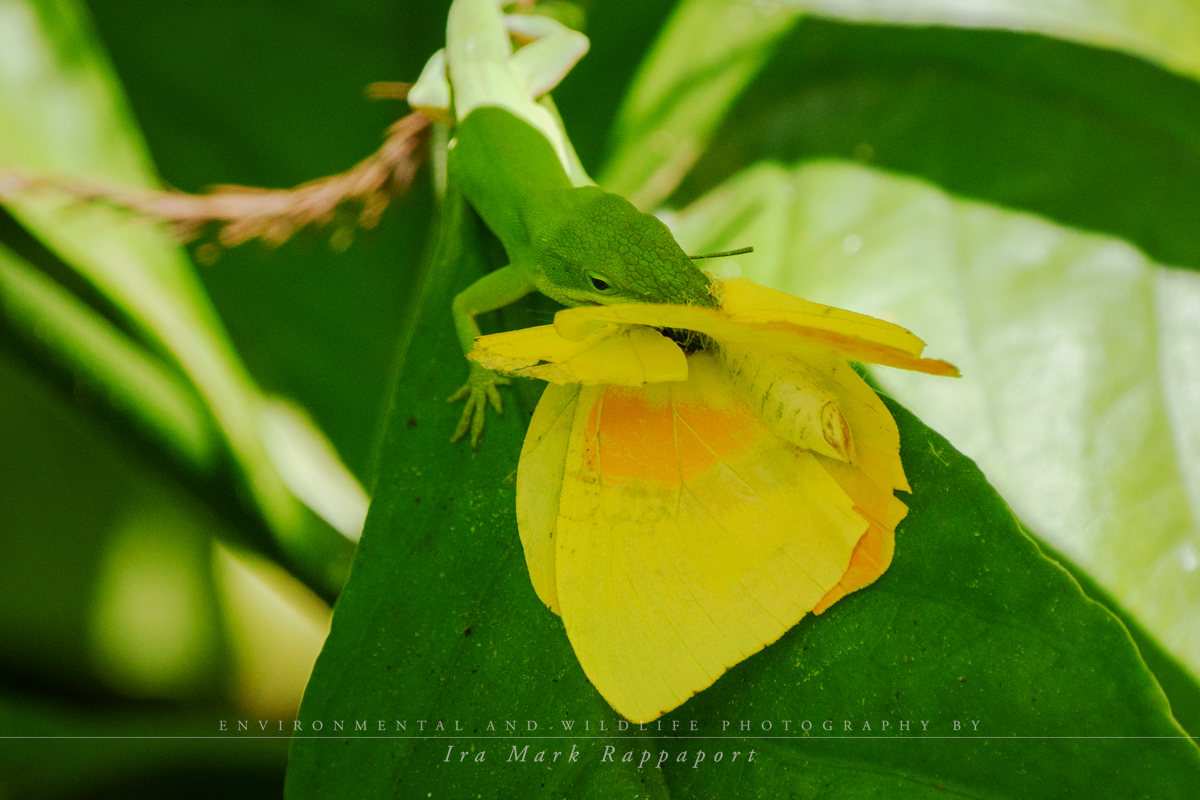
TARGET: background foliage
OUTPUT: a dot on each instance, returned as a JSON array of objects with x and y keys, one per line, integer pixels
[{"x": 1017, "y": 183}]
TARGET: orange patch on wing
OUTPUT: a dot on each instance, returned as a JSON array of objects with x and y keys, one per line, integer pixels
[
  {"x": 873, "y": 553},
  {"x": 872, "y": 556},
  {"x": 877, "y": 504},
  {"x": 670, "y": 434},
  {"x": 635, "y": 430},
  {"x": 694, "y": 457},
  {"x": 729, "y": 429},
  {"x": 709, "y": 435}
]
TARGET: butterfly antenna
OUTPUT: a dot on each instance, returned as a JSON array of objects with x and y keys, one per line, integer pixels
[{"x": 722, "y": 254}]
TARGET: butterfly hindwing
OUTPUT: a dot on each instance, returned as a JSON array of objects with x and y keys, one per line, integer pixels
[
  {"x": 688, "y": 537},
  {"x": 539, "y": 484}
]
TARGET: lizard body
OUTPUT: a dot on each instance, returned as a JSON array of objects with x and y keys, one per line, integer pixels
[{"x": 564, "y": 236}]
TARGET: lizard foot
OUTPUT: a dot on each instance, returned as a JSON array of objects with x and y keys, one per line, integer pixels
[{"x": 479, "y": 390}]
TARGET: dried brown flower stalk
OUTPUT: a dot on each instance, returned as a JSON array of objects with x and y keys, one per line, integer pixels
[{"x": 273, "y": 215}]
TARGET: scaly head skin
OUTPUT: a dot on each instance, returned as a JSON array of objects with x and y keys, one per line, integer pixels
[{"x": 605, "y": 252}]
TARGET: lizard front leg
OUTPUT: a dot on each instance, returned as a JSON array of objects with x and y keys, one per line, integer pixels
[{"x": 494, "y": 290}]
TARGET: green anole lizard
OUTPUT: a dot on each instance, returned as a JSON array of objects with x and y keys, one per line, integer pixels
[{"x": 563, "y": 236}]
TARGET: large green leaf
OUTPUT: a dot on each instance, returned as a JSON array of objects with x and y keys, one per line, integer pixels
[
  {"x": 1078, "y": 396},
  {"x": 419, "y": 664},
  {"x": 1181, "y": 688},
  {"x": 439, "y": 642}
]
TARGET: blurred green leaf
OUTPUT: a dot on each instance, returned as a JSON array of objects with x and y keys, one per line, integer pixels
[
  {"x": 53, "y": 750},
  {"x": 711, "y": 49},
  {"x": 138, "y": 383},
  {"x": 704, "y": 57},
  {"x": 53, "y": 67},
  {"x": 439, "y": 629},
  {"x": 107, "y": 585},
  {"x": 592, "y": 93},
  {"x": 1092, "y": 138},
  {"x": 1165, "y": 31},
  {"x": 271, "y": 93},
  {"x": 1077, "y": 398}
]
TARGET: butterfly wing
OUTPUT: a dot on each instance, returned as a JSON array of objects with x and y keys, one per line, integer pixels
[
  {"x": 869, "y": 479},
  {"x": 539, "y": 484},
  {"x": 629, "y": 356},
  {"x": 763, "y": 318},
  {"x": 688, "y": 537}
]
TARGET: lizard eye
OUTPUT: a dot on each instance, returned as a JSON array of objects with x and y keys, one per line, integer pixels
[{"x": 598, "y": 283}]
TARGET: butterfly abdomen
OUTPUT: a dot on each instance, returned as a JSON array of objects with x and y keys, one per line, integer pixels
[{"x": 792, "y": 398}]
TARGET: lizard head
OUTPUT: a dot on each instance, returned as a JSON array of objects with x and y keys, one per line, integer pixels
[{"x": 608, "y": 252}]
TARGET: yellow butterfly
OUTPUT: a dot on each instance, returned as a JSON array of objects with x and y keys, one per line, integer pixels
[{"x": 682, "y": 511}]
